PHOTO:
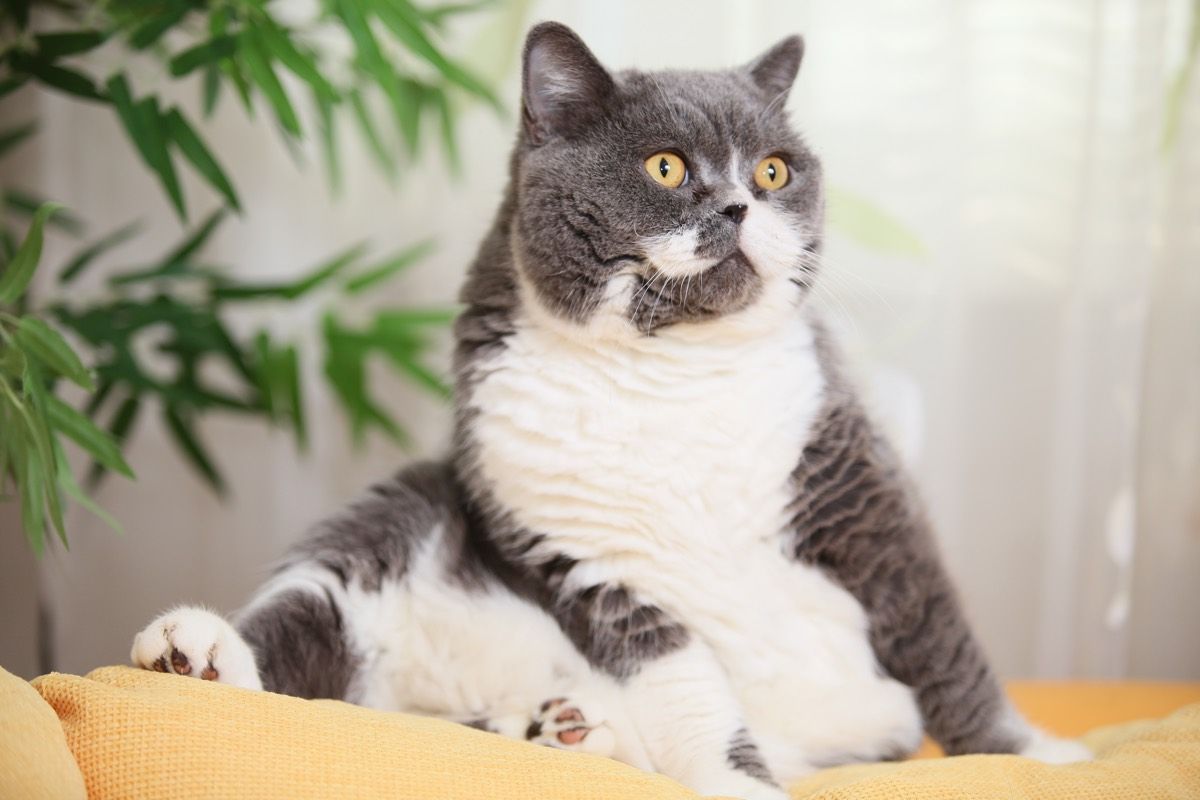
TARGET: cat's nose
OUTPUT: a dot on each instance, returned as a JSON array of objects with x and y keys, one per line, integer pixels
[{"x": 735, "y": 211}]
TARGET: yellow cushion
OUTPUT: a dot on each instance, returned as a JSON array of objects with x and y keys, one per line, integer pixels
[
  {"x": 35, "y": 762},
  {"x": 146, "y": 734},
  {"x": 140, "y": 734}
]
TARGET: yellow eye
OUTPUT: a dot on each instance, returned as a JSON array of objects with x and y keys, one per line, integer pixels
[
  {"x": 771, "y": 173},
  {"x": 667, "y": 169}
]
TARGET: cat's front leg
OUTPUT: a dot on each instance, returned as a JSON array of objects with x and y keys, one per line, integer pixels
[
  {"x": 692, "y": 726},
  {"x": 675, "y": 692},
  {"x": 196, "y": 642}
]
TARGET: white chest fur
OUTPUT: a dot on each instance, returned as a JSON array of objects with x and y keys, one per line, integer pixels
[
  {"x": 641, "y": 447},
  {"x": 664, "y": 464}
]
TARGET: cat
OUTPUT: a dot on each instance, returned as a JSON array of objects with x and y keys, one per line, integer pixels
[{"x": 667, "y": 531}]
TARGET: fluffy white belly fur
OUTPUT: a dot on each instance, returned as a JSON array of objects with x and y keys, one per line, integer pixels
[{"x": 664, "y": 463}]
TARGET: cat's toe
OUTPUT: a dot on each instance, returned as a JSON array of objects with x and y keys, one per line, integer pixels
[
  {"x": 562, "y": 723},
  {"x": 197, "y": 643}
]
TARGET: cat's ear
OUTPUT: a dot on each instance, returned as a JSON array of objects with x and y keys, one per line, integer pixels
[
  {"x": 563, "y": 86},
  {"x": 775, "y": 70}
]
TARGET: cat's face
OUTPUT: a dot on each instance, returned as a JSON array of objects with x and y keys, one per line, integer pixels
[{"x": 661, "y": 198}]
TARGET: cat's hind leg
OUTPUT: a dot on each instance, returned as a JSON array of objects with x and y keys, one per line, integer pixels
[{"x": 560, "y": 722}]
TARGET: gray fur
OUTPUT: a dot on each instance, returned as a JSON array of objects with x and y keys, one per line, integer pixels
[
  {"x": 570, "y": 227},
  {"x": 575, "y": 228},
  {"x": 300, "y": 646},
  {"x": 743, "y": 755},
  {"x": 857, "y": 518}
]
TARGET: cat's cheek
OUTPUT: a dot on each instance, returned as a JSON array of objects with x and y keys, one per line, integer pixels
[
  {"x": 674, "y": 254},
  {"x": 773, "y": 244}
]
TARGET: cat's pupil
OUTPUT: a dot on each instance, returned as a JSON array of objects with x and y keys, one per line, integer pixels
[
  {"x": 663, "y": 167},
  {"x": 771, "y": 172}
]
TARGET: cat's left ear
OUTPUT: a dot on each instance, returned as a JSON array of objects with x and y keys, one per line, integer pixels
[{"x": 775, "y": 70}]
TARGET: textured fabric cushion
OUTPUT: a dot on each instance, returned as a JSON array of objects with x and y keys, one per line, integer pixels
[
  {"x": 35, "y": 762},
  {"x": 145, "y": 734}
]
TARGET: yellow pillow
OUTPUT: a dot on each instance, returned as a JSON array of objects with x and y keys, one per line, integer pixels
[
  {"x": 147, "y": 734},
  {"x": 35, "y": 761},
  {"x": 139, "y": 734}
]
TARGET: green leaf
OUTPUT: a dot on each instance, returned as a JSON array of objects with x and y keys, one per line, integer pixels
[
  {"x": 274, "y": 40},
  {"x": 194, "y": 150},
  {"x": 98, "y": 397},
  {"x": 289, "y": 370},
  {"x": 36, "y": 417},
  {"x": 407, "y": 97},
  {"x": 146, "y": 128},
  {"x": 61, "y": 78},
  {"x": 46, "y": 344},
  {"x": 118, "y": 429},
  {"x": 389, "y": 268},
  {"x": 871, "y": 226},
  {"x": 203, "y": 55},
  {"x": 66, "y": 481},
  {"x": 29, "y": 481},
  {"x": 19, "y": 271},
  {"x": 258, "y": 63},
  {"x": 180, "y": 429},
  {"x": 449, "y": 143},
  {"x": 9, "y": 445},
  {"x": 154, "y": 127},
  {"x": 197, "y": 240},
  {"x": 122, "y": 99},
  {"x": 86, "y": 256},
  {"x": 420, "y": 374},
  {"x": 291, "y": 291},
  {"x": 98, "y": 444},
  {"x": 27, "y": 203},
  {"x": 437, "y": 15},
  {"x": 52, "y": 46},
  {"x": 157, "y": 24},
  {"x": 329, "y": 141},
  {"x": 14, "y": 136},
  {"x": 363, "y": 116},
  {"x": 400, "y": 318},
  {"x": 212, "y": 90},
  {"x": 405, "y": 104},
  {"x": 178, "y": 261},
  {"x": 403, "y": 19}
]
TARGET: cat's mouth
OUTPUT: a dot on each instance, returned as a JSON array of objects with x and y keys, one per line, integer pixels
[{"x": 729, "y": 285}]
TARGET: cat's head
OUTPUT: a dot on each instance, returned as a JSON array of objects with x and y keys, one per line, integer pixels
[{"x": 651, "y": 199}]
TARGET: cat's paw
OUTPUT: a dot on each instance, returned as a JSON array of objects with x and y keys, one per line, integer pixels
[
  {"x": 565, "y": 724},
  {"x": 1052, "y": 750},
  {"x": 196, "y": 642}
]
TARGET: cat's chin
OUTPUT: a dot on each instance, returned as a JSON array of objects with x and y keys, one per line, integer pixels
[{"x": 726, "y": 287}]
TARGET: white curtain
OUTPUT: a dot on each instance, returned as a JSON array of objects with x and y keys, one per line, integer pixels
[{"x": 1029, "y": 333}]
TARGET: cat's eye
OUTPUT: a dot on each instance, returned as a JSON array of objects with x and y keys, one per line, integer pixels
[
  {"x": 771, "y": 173},
  {"x": 667, "y": 169}
]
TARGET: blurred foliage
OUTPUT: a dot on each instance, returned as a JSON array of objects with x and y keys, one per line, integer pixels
[
  {"x": 1178, "y": 88},
  {"x": 870, "y": 225},
  {"x": 180, "y": 304},
  {"x": 33, "y": 357},
  {"x": 243, "y": 47}
]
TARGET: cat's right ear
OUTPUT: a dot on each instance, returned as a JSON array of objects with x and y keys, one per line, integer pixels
[{"x": 563, "y": 86}]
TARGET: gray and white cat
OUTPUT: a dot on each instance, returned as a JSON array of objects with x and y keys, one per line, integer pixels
[{"x": 667, "y": 531}]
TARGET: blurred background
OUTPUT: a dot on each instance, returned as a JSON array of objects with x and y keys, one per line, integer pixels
[{"x": 1013, "y": 264}]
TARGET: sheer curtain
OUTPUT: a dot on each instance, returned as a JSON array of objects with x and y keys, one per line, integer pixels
[{"x": 1029, "y": 333}]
